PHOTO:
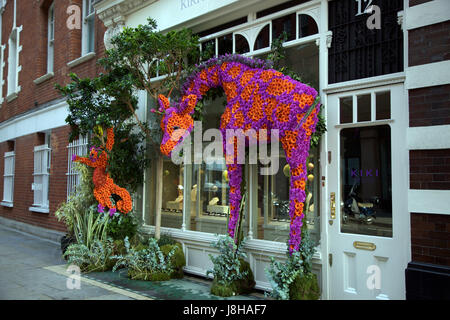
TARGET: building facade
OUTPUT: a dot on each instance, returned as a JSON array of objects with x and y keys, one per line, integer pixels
[
  {"x": 380, "y": 214},
  {"x": 41, "y": 43}
]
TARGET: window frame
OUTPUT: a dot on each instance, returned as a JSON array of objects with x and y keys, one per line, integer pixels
[
  {"x": 45, "y": 174},
  {"x": 50, "y": 37},
  {"x": 87, "y": 30},
  {"x": 8, "y": 202}
]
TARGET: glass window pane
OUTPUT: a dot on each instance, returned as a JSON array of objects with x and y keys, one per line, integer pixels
[
  {"x": 172, "y": 195},
  {"x": 284, "y": 24},
  {"x": 366, "y": 190},
  {"x": 241, "y": 44},
  {"x": 91, "y": 34},
  {"x": 363, "y": 103},
  {"x": 383, "y": 105},
  {"x": 209, "y": 47},
  {"x": 304, "y": 60},
  {"x": 306, "y": 26},
  {"x": 262, "y": 41},
  {"x": 346, "y": 109},
  {"x": 226, "y": 44}
]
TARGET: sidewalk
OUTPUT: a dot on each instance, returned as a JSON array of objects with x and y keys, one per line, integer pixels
[{"x": 32, "y": 269}]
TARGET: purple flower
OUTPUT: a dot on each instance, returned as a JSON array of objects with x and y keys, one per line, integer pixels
[
  {"x": 100, "y": 208},
  {"x": 74, "y": 157},
  {"x": 112, "y": 211}
]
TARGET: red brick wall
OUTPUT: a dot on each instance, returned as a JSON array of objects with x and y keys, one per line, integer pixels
[
  {"x": 429, "y": 44},
  {"x": 33, "y": 57},
  {"x": 430, "y": 169},
  {"x": 430, "y": 238},
  {"x": 429, "y": 106},
  {"x": 24, "y": 167}
]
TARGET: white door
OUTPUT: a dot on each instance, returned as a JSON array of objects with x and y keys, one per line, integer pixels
[{"x": 368, "y": 232}]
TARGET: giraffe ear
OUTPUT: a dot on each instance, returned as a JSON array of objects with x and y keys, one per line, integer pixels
[
  {"x": 163, "y": 103},
  {"x": 188, "y": 104}
]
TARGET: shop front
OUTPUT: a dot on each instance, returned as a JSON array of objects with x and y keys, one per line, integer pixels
[{"x": 357, "y": 216}]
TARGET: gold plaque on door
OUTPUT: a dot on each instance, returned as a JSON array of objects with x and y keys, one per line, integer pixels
[
  {"x": 333, "y": 205},
  {"x": 364, "y": 245}
]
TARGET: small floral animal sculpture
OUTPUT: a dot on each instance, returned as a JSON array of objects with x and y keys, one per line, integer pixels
[
  {"x": 104, "y": 186},
  {"x": 257, "y": 98}
]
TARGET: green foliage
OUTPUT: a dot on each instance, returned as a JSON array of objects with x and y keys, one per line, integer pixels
[
  {"x": 293, "y": 279},
  {"x": 178, "y": 260},
  {"x": 147, "y": 264},
  {"x": 91, "y": 103},
  {"x": 305, "y": 287},
  {"x": 122, "y": 225},
  {"x": 90, "y": 226},
  {"x": 78, "y": 202},
  {"x": 143, "y": 53},
  {"x": 282, "y": 274},
  {"x": 229, "y": 269},
  {"x": 165, "y": 239},
  {"x": 95, "y": 258},
  {"x": 127, "y": 159}
]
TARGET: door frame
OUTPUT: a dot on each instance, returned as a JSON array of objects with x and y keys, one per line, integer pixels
[{"x": 399, "y": 165}]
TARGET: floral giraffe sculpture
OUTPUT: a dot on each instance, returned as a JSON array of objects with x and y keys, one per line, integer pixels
[
  {"x": 257, "y": 98},
  {"x": 104, "y": 186}
]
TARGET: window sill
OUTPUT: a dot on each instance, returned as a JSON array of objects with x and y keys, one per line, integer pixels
[
  {"x": 81, "y": 59},
  {"x": 10, "y": 97},
  {"x": 44, "y": 78},
  {"x": 6, "y": 204},
  {"x": 39, "y": 209}
]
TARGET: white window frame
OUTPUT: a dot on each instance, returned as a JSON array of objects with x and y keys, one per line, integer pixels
[
  {"x": 88, "y": 30},
  {"x": 51, "y": 37},
  {"x": 13, "y": 63},
  {"x": 41, "y": 174},
  {"x": 8, "y": 179},
  {"x": 77, "y": 147}
]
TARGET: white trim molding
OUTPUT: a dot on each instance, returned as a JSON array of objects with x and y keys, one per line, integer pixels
[
  {"x": 44, "y": 78},
  {"x": 420, "y": 76},
  {"x": 80, "y": 60},
  {"x": 429, "y": 201},
  {"x": 426, "y": 14},
  {"x": 429, "y": 137},
  {"x": 41, "y": 120}
]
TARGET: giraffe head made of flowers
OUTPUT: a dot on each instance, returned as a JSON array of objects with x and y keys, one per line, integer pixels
[{"x": 177, "y": 123}]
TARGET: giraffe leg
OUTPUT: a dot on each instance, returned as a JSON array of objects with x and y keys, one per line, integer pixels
[
  {"x": 103, "y": 196},
  {"x": 296, "y": 199},
  {"x": 235, "y": 179}
]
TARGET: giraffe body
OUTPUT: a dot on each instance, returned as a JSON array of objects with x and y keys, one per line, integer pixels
[{"x": 257, "y": 99}]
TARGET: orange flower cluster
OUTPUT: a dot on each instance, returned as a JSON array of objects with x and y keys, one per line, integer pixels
[
  {"x": 282, "y": 112},
  {"x": 297, "y": 171},
  {"x": 104, "y": 186},
  {"x": 248, "y": 91},
  {"x": 308, "y": 123},
  {"x": 225, "y": 118},
  {"x": 234, "y": 71},
  {"x": 230, "y": 89},
  {"x": 239, "y": 119},
  {"x": 278, "y": 86},
  {"x": 270, "y": 105},
  {"x": 214, "y": 76},
  {"x": 300, "y": 184},
  {"x": 303, "y": 99},
  {"x": 289, "y": 141},
  {"x": 247, "y": 76},
  {"x": 298, "y": 208},
  {"x": 266, "y": 75},
  {"x": 256, "y": 111}
]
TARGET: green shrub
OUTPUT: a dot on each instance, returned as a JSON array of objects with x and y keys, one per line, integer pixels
[
  {"x": 95, "y": 258},
  {"x": 305, "y": 287},
  {"x": 149, "y": 263},
  {"x": 122, "y": 225},
  {"x": 178, "y": 260},
  {"x": 232, "y": 275}
]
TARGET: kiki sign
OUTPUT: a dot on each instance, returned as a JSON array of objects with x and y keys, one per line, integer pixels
[{"x": 355, "y": 173}]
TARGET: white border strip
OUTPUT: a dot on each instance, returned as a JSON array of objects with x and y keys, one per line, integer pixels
[
  {"x": 61, "y": 269},
  {"x": 430, "y": 137},
  {"x": 44, "y": 119},
  {"x": 427, "y": 13},
  {"x": 429, "y": 201},
  {"x": 428, "y": 75}
]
